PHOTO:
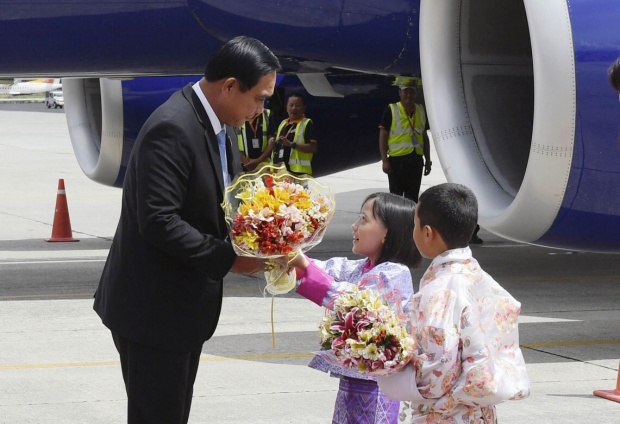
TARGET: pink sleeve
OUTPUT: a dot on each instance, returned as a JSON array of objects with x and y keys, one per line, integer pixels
[{"x": 314, "y": 284}]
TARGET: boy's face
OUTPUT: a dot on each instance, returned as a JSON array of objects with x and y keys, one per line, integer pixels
[{"x": 419, "y": 236}]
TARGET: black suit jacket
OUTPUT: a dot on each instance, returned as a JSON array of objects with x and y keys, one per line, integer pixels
[{"x": 162, "y": 283}]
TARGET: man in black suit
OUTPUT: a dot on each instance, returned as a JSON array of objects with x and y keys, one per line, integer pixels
[{"x": 161, "y": 289}]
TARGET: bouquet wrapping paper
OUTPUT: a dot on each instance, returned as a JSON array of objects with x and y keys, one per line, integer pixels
[{"x": 277, "y": 214}]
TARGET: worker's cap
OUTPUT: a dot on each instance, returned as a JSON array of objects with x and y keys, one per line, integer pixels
[{"x": 407, "y": 82}]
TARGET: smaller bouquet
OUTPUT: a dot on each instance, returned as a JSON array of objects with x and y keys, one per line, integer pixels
[
  {"x": 276, "y": 215},
  {"x": 364, "y": 334}
]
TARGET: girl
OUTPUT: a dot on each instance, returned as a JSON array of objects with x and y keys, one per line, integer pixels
[{"x": 382, "y": 233}]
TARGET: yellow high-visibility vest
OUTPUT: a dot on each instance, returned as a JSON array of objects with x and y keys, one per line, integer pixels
[
  {"x": 299, "y": 162},
  {"x": 242, "y": 140},
  {"x": 401, "y": 140}
]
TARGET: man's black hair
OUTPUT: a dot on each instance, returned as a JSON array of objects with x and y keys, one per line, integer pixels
[
  {"x": 298, "y": 95},
  {"x": 243, "y": 58},
  {"x": 396, "y": 213},
  {"x": 451, "y": 210}
]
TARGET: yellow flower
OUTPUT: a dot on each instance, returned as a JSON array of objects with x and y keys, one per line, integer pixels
[
  {"x": 244, "y": 194},
  {"x": 281, "y": 195},
  {"x": 371, "y": 352},
  {"x": 249, "y": 239},
  {"x": 365, "y": 336},
  {"x": 302, "y": 203},
  {"x": 245, "y": 207},
  {"x": 263, "y": 199}
]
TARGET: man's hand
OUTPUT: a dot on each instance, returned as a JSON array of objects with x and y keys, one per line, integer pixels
[
  {"x": 293, "y": 260},
  {"x": 427, "y": 167},
  {"x": 251, "y": 164},
  {"x": 248, "y": 265},
  {"x": 387, "y": 168},
  {"x": 285, "y": 141}
]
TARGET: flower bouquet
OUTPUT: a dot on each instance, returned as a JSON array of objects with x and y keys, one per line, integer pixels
[
  {"x": 364, "y": 334},
  {"x": 276, "y": 215}
]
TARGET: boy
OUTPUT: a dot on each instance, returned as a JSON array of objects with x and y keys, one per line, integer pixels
[{"x": 468, "y": 357}]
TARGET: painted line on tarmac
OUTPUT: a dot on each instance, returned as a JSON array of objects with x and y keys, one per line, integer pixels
[
  {"x": 46, "y": 296},
  {"x": 264, "y": 357},
  {"x": 575, "y": 343},
  {"x": 550, "y": 279},
  {"x": 51, "y": 255},
  {"x": 113, "y": 363},
  {"x": 51, "y": 261},
  {"x": 227, "y": 291}
]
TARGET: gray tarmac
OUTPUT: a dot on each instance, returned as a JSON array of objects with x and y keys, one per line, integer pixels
[{"x": 58, "y": 363}]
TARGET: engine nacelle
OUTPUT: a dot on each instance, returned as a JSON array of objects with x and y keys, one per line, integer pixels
[
  {"x": 510, "y": 88},
  {"x": 105, "y": 116},
  {"x": 94, "y": 111}
]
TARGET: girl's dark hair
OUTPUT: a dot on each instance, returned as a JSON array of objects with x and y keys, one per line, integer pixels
[
  {"x": 243, "y": 58},
  {"x": 452, "y": 210},
  {"x": 396, "y": 213}
]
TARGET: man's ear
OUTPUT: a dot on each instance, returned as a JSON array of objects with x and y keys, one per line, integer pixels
[{"x": 229, "y": 83}]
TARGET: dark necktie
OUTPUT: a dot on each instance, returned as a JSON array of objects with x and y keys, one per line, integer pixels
[{"x": 221, "y": 143}]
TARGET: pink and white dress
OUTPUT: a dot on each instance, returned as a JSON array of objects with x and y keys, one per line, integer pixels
[{"x": 359, "y": 398}]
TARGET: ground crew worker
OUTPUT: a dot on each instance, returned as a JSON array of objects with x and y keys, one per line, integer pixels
[
  {"x": 295, "y": 142},
  {"x": 403, "y": 142},
  {"x": 256, "y": 140}
]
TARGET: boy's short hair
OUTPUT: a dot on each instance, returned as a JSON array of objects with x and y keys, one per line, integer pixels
[
  {"x": 452, "y": 210},
  {"x": 396, "y": 213}
]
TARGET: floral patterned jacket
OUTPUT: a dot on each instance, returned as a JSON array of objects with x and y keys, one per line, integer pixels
[
  {"x": 323, "y": 281},
  {"x": 468, "y": 357}
]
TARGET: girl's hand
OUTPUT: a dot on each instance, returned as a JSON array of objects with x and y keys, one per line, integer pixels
[{"x": 298, "y": 260}]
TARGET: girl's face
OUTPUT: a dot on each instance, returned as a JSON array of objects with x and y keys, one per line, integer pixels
[{"x": 368, "y": 233}]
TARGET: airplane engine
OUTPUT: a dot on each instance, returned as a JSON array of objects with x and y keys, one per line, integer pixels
[
  {"x": 94, "y": 112},
  {"x": 105, "y": 115},
  {"x": 521, "y": 112}
]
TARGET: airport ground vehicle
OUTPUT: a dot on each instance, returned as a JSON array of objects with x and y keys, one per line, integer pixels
[{"x": 54, "y": 99}]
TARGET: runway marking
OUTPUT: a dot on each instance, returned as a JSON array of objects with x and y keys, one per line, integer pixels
[
  {"x": 574, "y": 343},
  {"x": 255, "y": 357},
  {"x": 45, "y": 296},
  {"x": 228, "y": 290},
  {"x": 57, "y": 365},
  {"x": 52, "y": 261},
  {"x": 202, "y": 359},
  {"x": 267, "y": 356},
  {"x": 528, "y": 319},
  {"x": 538, "y": 280}
]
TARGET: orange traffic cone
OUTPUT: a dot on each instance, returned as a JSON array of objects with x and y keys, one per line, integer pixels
[
  {"x": 61, "y": 230},
  {"x": 611, "y": 394}
]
